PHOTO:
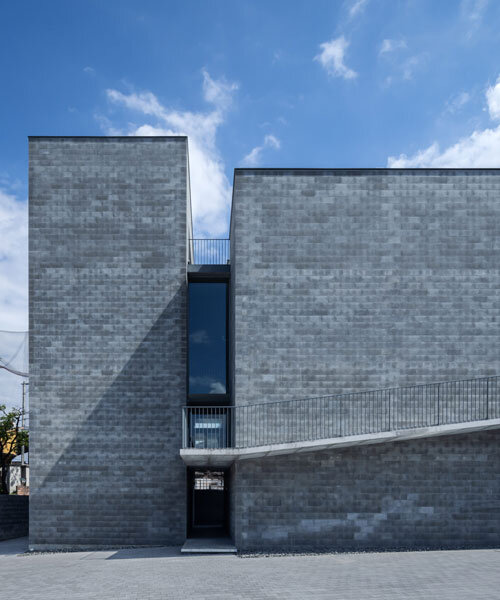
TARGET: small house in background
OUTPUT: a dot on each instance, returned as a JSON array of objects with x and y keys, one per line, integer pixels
[{"x": 19, "y": 476}]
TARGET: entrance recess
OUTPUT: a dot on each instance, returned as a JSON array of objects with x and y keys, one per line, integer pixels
[{"x": 208, "y": 503}]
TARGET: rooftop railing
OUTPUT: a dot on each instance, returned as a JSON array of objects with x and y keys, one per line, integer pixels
[
  {"x": 209, "y": 251},
  {"x": 341, "y": 415}
]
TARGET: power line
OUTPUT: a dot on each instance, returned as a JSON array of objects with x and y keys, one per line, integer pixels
[
  {"x": 20, "y": 373},
  {"x": 8, "y": 361}
]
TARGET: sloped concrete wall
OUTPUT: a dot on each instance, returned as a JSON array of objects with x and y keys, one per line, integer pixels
[
  {"x": 436, "y": 493},
  {"x": 108, "y": 222}
]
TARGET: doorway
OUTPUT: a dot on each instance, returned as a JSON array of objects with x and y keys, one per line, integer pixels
[{"x": 208, "y": 504}]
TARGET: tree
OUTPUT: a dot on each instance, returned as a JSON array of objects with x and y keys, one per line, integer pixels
[{"x": 12, "y": 438}]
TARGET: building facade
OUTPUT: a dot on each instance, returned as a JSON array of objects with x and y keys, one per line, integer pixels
[
  {"x": 245, "y": 367},
  {"x": 108, "y": 226}
]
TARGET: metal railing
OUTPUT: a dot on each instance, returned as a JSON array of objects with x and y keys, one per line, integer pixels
[
  {"x": 209, "y": 252},
  {"x": 341, "y": 415}
]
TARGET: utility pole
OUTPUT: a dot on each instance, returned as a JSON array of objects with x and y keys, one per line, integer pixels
[{"x": 24, "y": 384}]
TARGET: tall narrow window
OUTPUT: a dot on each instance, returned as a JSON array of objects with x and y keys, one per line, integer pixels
[{"x": 207, "y": 338}]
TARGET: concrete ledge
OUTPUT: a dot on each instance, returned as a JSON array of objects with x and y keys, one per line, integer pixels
[
  {"x": 225, "y": 457},
  {"x": 90, "y": 547},
  {"x": 208, "y": 272},
  {"x": 195, "y": 457},
  {"x": 208, "y": 546}
]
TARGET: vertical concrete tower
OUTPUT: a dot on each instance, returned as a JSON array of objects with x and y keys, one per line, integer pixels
[{"x": 109, "y": 218}]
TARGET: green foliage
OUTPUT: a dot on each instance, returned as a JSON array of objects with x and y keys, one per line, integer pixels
[{"x": 12, "y": 438}]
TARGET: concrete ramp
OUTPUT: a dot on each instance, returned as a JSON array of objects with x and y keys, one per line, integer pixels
[{"x": 224, "y": 457}]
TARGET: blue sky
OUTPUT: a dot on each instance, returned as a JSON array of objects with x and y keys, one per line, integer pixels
[{"x": 351, "y": 83}]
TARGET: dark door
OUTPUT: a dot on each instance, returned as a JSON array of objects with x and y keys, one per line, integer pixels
[{"x": 208, "y": 503}]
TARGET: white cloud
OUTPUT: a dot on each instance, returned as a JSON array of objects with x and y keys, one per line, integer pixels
[
  {"x": 199, "y": 337},
  {"x": 216, "y": 387},
  {"x": 332, "y": 57},
  {"x": 411, "y": 65},
  {"x": 457, "y": 102},
  {"x": 389, "y": 45},
  {"x": 220, "y": 93},
  {"x": 253, "y": 158},
  {"x": 473, "y": 13},
  {"x": 406, "y": 70},
  {"x": 493, "y": 100},
  {"x": 13, "y": 263},
  {"x": 210, "y": 188},
  {"x": 480, "y": 149},
  {"x": 13, "y": 286},
  {"x": 89, "y": 70},
  {"x": 404, "y": 66},
  {"x": 357, "y": 7},
  {"x": 272, "y": 142},
  {"x": 107, "y": 125}
]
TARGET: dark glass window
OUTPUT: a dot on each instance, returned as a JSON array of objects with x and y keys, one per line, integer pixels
[{"x": 207, "y": 338}]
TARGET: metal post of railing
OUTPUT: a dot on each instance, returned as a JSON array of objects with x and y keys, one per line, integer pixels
[
  {"x": 438, "y": 403},
  {"x": 232, "y": 437},
  {"x": 189, "y": 427},
  {"x": 487, "y": 399},
  {"x": 184, "y": 416},
  {"x": 23, "y": 465},
  {"x": 226, "y": 428},
  {"x": 184, "y": 427},
  {"x": 341, "y": 415},
  {"x": 389, "y": 429}
]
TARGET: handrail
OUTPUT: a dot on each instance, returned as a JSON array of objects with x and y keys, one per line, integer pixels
[
  {"x": 340, "y": 415},
  {"x": 214, "y": 251}
]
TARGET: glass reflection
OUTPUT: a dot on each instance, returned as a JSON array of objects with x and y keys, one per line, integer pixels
[{"x": 207, "y": 338}]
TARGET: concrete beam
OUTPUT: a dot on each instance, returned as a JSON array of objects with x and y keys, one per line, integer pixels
[{"x": 225, "y": 457}]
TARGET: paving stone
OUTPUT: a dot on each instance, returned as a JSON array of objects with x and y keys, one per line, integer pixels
[{"x": 163, "y": 573}]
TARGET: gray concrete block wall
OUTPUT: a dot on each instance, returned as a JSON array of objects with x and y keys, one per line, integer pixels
[
  {"x": 351, "y": 280},
  {"x": 14, "y": 513},
  {"x": 430, "y": 493},
  {"x": 347, "y": 280},
  {"x": 108, "y": 342}
]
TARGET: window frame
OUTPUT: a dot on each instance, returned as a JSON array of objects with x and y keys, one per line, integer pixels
[{"x": 205, "y": 398}]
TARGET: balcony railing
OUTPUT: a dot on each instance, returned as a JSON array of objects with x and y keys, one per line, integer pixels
[
  {"x": 209, "y": 252},
  {"x": 341, "y": 415}
]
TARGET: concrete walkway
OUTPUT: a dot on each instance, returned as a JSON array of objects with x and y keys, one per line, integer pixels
[
  {"x": 224, "y": 457},
  {"x": 163, "y": 573}
]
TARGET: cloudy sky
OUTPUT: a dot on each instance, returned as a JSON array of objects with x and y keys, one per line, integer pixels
[{"x": 313, "y": 83}]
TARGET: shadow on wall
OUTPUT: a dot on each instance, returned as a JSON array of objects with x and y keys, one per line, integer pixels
[
  {"x": 120, "y": 481},
  {"x": 13, "y": 516}
]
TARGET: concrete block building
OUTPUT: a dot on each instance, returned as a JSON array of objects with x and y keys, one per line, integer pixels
[{"x": 324, "y": 379}]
